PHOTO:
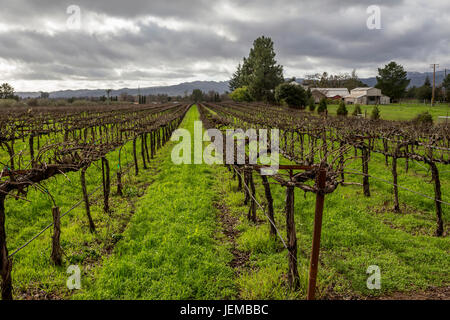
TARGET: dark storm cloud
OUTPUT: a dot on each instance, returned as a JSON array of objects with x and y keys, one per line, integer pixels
[{"x": 175, "y": 40}]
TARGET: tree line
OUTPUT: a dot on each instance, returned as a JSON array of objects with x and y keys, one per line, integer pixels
[
  {"x": 7, "y": 93},
  {"x": 260, "y": 78}
]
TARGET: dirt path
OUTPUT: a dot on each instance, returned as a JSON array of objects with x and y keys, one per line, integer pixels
[
  {"x": 228, "y": 224},
  {"x": 435, "y": 293}
]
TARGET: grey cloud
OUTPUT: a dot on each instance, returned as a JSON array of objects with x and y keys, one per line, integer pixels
[{"x": 332, "y": 32}]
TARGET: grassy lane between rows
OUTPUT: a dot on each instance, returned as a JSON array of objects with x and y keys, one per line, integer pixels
[{"x": 172, "y": 248}]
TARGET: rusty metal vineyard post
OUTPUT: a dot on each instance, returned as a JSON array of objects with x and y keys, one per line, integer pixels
[{"x": 314, "y": 263}]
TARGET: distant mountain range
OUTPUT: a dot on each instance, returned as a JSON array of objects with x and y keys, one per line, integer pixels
[
  {"x": 175, "y": 90},
  {"x": 417, "y": 79}
]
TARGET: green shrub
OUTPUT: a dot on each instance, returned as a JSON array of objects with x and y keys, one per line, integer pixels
[
  {"x": 375, "y": 113},
  {"x": 311, "y": 104},
  {"x": 322, "y": 106},
  {"x": 357, "y": 110},
  {"x": 291, "y": 95},
  {"x": 241, "y": 95},
  {"x": 7, "y": 103},
  {"x": 424, "y": 118},
  {"x": 342, "y": 110},
  {"x": 32, "y": 102}
]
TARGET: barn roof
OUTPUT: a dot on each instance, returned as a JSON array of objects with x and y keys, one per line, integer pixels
[{"x": 332, "y": 92}]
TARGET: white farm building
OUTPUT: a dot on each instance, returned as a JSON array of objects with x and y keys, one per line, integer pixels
[
  {"x": 368, "y": 95},
  {"x": 329, "y": 93}
]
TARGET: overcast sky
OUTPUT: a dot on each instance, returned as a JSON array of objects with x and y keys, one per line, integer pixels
[{"x": 162, "y": 42}]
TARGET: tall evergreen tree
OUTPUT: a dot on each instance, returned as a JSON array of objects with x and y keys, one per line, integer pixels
[
  {"x": 197, "y": 95},
  {"x": 446, "y": 85},
  {"x": 260, "y": 71},
  {"x": 235, "y": 81},
  {"x": 392, "y": 80}
]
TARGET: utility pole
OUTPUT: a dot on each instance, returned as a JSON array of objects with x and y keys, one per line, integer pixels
[{"x": 434, "y": 66}]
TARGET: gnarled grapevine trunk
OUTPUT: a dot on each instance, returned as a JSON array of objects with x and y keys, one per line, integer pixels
[
  {"x": 365, "y": 167},
  {"x": 56, "y": 246},
  {"x": 136, "y": 166},
  {"x": 438, "y": 199},
  {"x": 106, "y": 184},
  {"x": 5, "y": 262},
  {"x": 395, "y": 182},
  {"x": 86, "y": 200},
  {"x": 252, "y": 210},
  {"x": 270, "y": 211},
  {"x": 239, "y": 180},
  {"x": 293, "y": 276},
  {"x": 143, "y": 152},
  {"x": 119, "y": 183}
]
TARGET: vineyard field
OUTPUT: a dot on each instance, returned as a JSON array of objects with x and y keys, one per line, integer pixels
[{"x": 201, "y": 232}]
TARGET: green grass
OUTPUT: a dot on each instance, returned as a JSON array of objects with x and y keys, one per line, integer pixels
[
  {"x": 170, "y": 250},
  {"x": 402, "y": 111}
]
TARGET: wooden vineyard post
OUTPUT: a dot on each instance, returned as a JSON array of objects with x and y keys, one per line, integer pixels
[
  {"x": 239, "y": 180},
  {"x": 152, "y": 144},
  {"x": 438, "y": 198},
  {"x": 365, "y": 167},
  {"x": 246, "y": 193},
  {"x": 437, "y": 192},
  {"x": 143, "y": 151},
  {"x": 56, "y": 247},
  {"x": 31, "y": 145},
  {"x": 252, "y": 210},
  {"x": 314, "y": 264},
  {"x": 158, "y": 139},
  {"x": 119, "y": 183},
  {"x": 270, "y": 211},
  {"x": 146, "y": 148},
  {"x": 119, "y": 176},
  {"x": 106, "y": 184},
  {"x": 86, "y": 200},
  {"x": 407, "y": 160},
  {"x": 342, "y": 161},
  {"x": 395, "y": 182},
  {"x": 293, "y": 276},
  {"x": 386, "y": 149},
  {"x": 136, "y": 166}
]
